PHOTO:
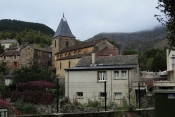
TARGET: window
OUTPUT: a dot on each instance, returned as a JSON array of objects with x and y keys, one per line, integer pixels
[
  {"x": 69, "y": 64},
  {"x": 55, "y": 43},
  {"x": 49, "y": 55},
  {"x": 102, "y": 94},
  {"x": 123, "y": 74},
  {"x": 116, "y": 74},
  {"x": 79, "y": 52},
  {"x": 60, "y": 65},
  {"x": 15, "y": 57},
  {"x": 67, "y": 43},
  {"x": 79, "y": 94},
  {"x": 101, "y": 76},
  {"x": 5, "y": 57},
  {"x": 117, "y": 95}
]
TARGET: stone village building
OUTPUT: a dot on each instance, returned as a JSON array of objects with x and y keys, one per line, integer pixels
[
  {"x": 66, "y": 54},
  {"x": 27, "y": 53}
]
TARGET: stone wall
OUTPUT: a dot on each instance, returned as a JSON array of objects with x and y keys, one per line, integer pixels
[{"x": 138, "y": 113}]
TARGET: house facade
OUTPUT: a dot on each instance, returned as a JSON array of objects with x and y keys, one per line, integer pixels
[
  {"x": 33, "y": 52},
  {"x": 12, "y": 58},
  {"x": 86, "y": 80},
  {"x": 66, "y": 54},
  {"x": 9, "y": 42}
]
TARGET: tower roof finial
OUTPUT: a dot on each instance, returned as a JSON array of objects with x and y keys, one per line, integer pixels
[{"x": 63, "y": 14}]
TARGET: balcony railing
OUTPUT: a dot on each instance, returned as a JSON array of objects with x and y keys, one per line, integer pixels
[{"x": 163, "y": 83}]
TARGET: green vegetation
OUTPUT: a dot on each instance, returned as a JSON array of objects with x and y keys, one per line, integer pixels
[
  {"x": 19, "y": 26},
  {"x": 27, "y": 35},
  {"x": 33, "y": 72},
  {"x": 167, "y": 7},
  {"x": 130, "y": 52},
  {"x": 148, "y": 60},
  {"x": 1, "y": 48},
  {"x": 25, "y": 108}
]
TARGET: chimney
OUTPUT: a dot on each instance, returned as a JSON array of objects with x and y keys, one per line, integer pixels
[{"x": 93, "y": 56}]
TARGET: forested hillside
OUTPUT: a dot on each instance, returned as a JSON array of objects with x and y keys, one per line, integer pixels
[
  {"x": 28, "y": 35},
  {"x": 139, "y": 41},
  {"x": 18, "y": 26}
]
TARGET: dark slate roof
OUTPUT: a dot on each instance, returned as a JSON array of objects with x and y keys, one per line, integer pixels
[
  {"x": 9, "y": 76},
  {"x": 101, "y": 67},
  {"x": 106, "y": 52},
  {"x": 10, "y": 53},
  {"x": 63, "y": 29},
  {"x": 109, "y": 60},
  {"x": 80, "y": 46}
]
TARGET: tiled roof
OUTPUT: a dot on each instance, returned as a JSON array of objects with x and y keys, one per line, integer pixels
[
  {"x": 36, "y": 47},
  {"x": 109, "y": 60},
  {"x": 10, "y": 53},
  {"x": 63, "y": 29},
  {"x": 80, "y": 46},
  {"x": 75, "y": 56},
  {"x": 106, "y": 52}
]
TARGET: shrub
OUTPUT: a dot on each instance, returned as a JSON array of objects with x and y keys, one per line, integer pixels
[
  {"x": 35, "y": 85},
  {"x": 76, "y": 103},
  {"x": 30, "y": 109},
  {"x": 25, "y": 108},
  {"x": 129, "y": 107},
  {"x": 47, "y": 98},
  {"x": 7, "y": 104},
  {"x": 95, "y": 103}
]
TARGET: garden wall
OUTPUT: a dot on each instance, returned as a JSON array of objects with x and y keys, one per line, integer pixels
[{"x": 137, "y": 113}]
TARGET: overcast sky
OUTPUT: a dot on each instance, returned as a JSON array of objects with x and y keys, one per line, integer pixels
[{"x": 86, "y": 18}]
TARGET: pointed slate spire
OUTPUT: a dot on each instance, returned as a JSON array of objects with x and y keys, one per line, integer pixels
[{"x": 63, "y": 29}]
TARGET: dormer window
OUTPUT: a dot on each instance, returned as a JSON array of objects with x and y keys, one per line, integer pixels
[
  {"x": 15, "y": 57},
  {"x": 79, "y": 52},
  {"x": 67, "y": 43}
]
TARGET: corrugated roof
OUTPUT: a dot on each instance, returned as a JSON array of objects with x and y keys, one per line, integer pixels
[
  {"x": 76, "y": 47},
  {"x": 109, "y": 60},
  {"x": 63, "y": 29},
  {"x": 101, "y": 67}
]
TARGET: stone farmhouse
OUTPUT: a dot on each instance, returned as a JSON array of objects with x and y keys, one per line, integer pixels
[
  {"x": 66, "y": 54},
  {"x": 25, "y": 54},
  {"x": 32, "y": 52},
  {"x": 12, "y": 58},
  {"x": 86, "y": 80}
]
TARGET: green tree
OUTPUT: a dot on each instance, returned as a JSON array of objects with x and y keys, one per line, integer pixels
[
  {"x": 130, "y": 52},
  {"x": 33, "y": 72},
  {"x": 1, "y": 49},
  {"x": 150, "y": 53},
  {"x": 149, "y": 64},
  {"x": 3, "y": 67},
  {"x": 159, "y": 62},
  {"x": 167, "y": 7}
]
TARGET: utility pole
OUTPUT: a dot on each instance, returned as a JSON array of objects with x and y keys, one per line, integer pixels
[
  {"x": 105, "y": 93},
  {"x": 57, "y": 94},
  {"x": 139, "y": 93}
]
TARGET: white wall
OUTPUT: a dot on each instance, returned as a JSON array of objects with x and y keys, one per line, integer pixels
[{"x": 86, "y": 82}]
